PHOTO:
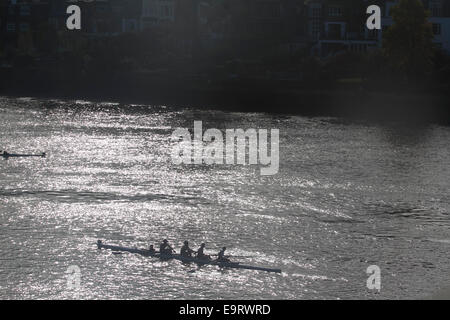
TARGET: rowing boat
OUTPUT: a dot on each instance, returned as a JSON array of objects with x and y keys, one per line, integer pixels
[
  {"x": 146, "y": 253},
  {"x": 14, "y": 155}
]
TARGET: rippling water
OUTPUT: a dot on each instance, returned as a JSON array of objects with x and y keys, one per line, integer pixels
[{"x": 347, "y": 196}]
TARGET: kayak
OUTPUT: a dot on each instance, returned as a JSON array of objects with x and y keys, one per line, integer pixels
[
  {"x": 14, "y": 155},
  {"x": 146, "y": 253}
]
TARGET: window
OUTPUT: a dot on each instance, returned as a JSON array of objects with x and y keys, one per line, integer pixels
[
  {"x": 435, "y": 8},
  {"x": 11, "y": 27},
  {"x": 166, "y": 11},
  {"x": 130, "y": 25},
  {"x": 334, "y": 31},
  {"x": 334, "y": 11},
  {"x": 316, "y": 12},
  {"x": 373, "y": 34},
  {"x": 436, "y": 12},
  {"x": 316, "y": 29},
  {"x": 388, "y": 9},
  {"x": 24, "y": 27},
  {"x": 25, "y": 10},
  {"x": 268, "y": 10},
  {"x": 149, "y": 9},
  {"x": 316, "y": 23},
  {"x": 101, "y": 9},
  {"x": 436, "y": 29}
]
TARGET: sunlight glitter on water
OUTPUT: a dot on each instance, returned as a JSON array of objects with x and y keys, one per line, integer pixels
[{"x": 345, "y": 198}]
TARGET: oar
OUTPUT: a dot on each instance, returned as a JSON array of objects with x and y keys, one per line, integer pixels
[
  {"x": 12, "y": 155},
  {"x": 233, "y": 256}
]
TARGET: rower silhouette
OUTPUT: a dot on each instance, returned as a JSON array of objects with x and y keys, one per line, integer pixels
[
  {"x": 186, "y": 251},
  {"x": 201, "y": 254},
  {"x": 221, "y": 256},
  {"x": 165, "y": 248}
]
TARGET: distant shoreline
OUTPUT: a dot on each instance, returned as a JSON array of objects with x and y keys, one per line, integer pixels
[{"x": 349, "y": 104}]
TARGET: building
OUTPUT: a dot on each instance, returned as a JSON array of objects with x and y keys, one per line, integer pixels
[
  {"x": 245, "y": 23},
  {"x": 21, "y": 20},
  {"x": 334, "y": 26},
  {"x": 126, "y": 15},
  {"x": 34, "y": 25},
  {"x": 186, "y": 27},
  {"x": 3, "y": 16},
  {"x": 266, "y": 18},
  {"x": 103, "y": 18},
  {"x": 57, "y": 14},
  {"x": 157, "y": 13}
]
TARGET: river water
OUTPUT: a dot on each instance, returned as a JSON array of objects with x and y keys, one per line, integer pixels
[{"x": 347, "y": 196}]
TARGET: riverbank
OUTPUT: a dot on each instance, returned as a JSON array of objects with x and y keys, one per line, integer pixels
[{"x": 351, "y": 101}]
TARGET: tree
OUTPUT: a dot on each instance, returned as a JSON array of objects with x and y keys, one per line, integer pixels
[
  {"x": 46, "y": 38},
  {"x": 25, "y": 43},
  {"x": 408, "y": 42}
]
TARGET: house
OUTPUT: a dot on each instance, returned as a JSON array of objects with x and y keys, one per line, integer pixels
[
  {"x": 334, "y": 26},
  {"x": 274, "y": 22},
  {"x": 109, "y": 17},
  {"x": 267, "y": 18},
  {"x": 128, "y": 13},
  {"x": 441, "y": 32},
  {"x": 20, "y": 20}
]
